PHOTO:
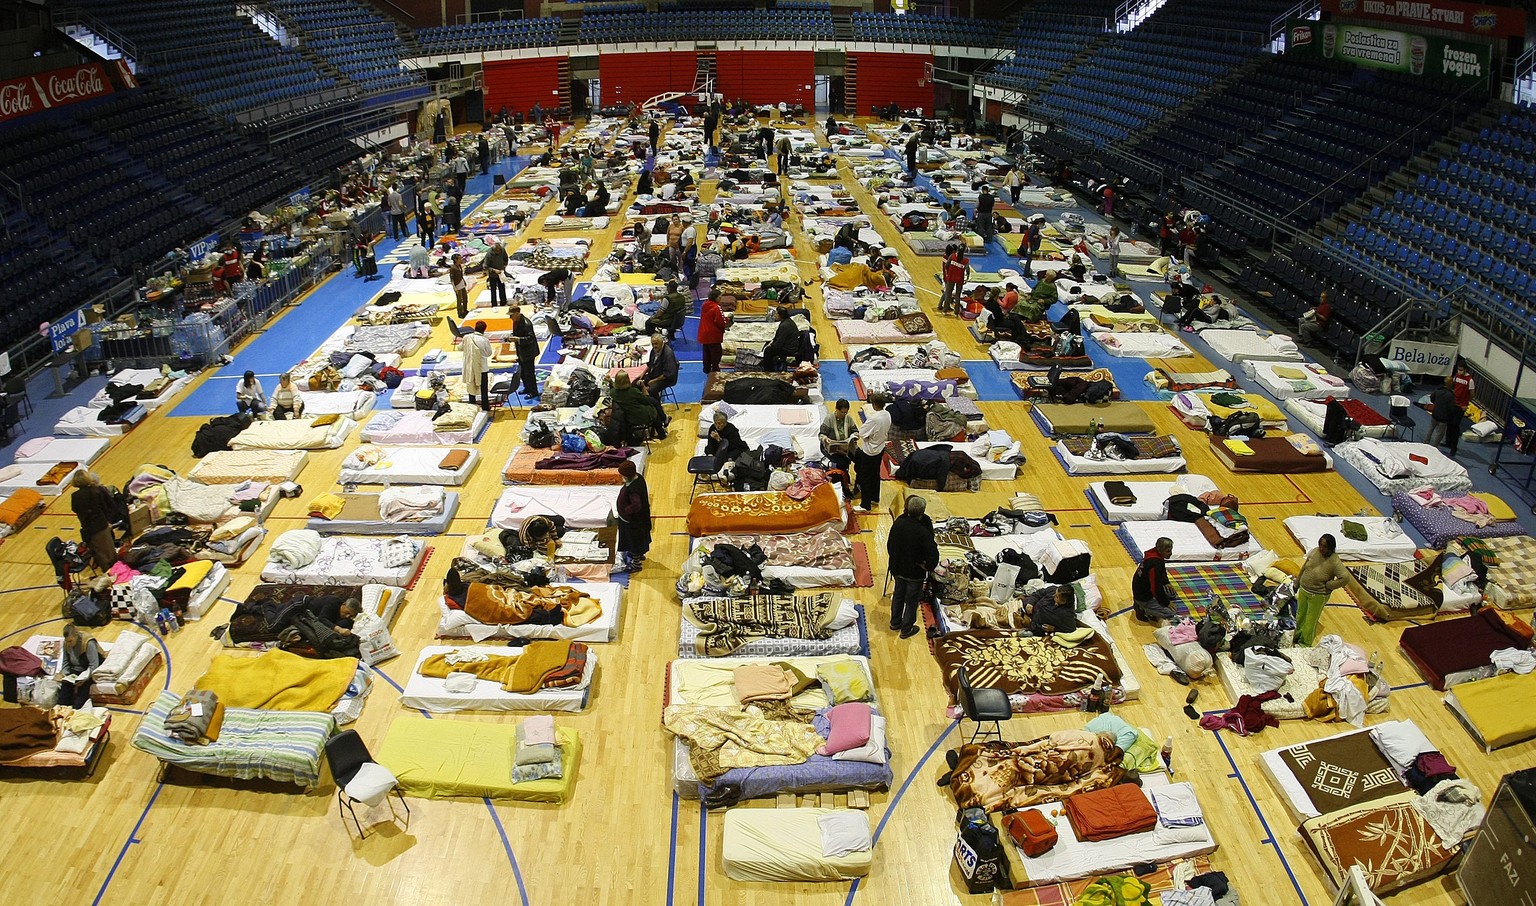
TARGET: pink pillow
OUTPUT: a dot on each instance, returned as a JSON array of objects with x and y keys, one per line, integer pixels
[{"x": 850, "y": 728}]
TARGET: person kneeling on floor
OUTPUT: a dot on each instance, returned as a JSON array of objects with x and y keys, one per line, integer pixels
[{"x": 1151, "y": 594}]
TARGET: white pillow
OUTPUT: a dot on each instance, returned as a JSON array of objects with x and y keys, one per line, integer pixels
[
  {"x": 872, "y": 752},
  {"x": 1401, "y": 742},
  {"x": 845, "y": 832},
  {"x": 847, "y": 614},
  {"x": 371, "y": 784}
]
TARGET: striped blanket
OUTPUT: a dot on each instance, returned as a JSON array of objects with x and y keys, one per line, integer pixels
[{"x": 286, "y": 746}]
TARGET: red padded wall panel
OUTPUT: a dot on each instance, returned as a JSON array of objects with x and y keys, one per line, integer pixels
[
  {"x": 887, "y": 77},
  {"x": 638, "y": 77},
  {"x": 767, "y": 76},
  {"x": 519, "y": 84}
]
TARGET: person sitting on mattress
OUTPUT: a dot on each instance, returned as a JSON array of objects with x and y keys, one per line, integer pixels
[
  {"x": 785, "y": 345},
  {"x": 724, "y": 442},
  {"x": 1151, "y": 594},
  {"x": 286, "y": 402}
]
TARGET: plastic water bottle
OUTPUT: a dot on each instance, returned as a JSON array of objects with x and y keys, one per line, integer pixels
[{"x": 1167, "y": 755}]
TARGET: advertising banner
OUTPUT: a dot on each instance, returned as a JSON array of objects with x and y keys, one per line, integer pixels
[
  {"x": 36, "y": 93},
  {"x": 1462, "y": 62},
  {"x": 1436, "y": 359},
  {"x": 64, "y": 327},
  {"x": 1473, "y": 18}
]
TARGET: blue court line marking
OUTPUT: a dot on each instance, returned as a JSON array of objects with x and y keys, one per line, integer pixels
[
  {"x": 133, "y": 837},
  {"x": 1122, "y": 612},
  {"x": 123, "y": 710},
  {"x": 506, "y": 843},
  {"x": 901, "y": 791},
  {"x": 1269, "y": 835},
  {"x": 703, "y": 847},
  {"x": 672, "y": 859}
]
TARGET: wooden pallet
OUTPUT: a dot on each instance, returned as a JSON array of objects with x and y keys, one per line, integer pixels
[{"x": 858, "y": 799}]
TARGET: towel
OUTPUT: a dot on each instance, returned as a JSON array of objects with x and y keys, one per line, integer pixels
[
  {"x": 1177, "y": 806},
  {"x": 1239, "y": 447},
  {"x": 326, "y": 506}
]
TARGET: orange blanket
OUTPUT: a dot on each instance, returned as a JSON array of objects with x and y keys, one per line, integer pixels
[
  {"x": 520, "y": 469},
  {"x": 771, "y": 513},
  {"x": 498, "y": 606},
  {"x": 16, "y": 507}
]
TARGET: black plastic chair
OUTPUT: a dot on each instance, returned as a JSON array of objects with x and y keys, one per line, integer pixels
[
  {"x": 1397, "y": 411},
  {"x": 983, "y": 705},
  {"x": 347, "y": 754}
]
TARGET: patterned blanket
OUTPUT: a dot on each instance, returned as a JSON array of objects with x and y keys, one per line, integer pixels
[
  {"x": 1391, "y": 591},
  {"x": 772, "y": 511},
  {"x": 1341, "y": 771},
  {"x": 1147, "y": 447},
  {"x": 1066, "y": 893},
  {"x": 1227, "y": 582},
  {"x": 1511, "y": 566},
  {"x": 825, "y": 548},
  {"x": 996, "y": 775},
  {"x": 726, "y": 624},
  {"x": 1389, "y": 839},
  {"x": 1025, "y": 665}
]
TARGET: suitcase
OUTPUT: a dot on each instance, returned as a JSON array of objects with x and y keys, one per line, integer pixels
[{"x": 1029, "y": 829}]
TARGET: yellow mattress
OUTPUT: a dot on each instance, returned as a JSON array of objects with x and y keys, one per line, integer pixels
[
  {"x": 1497, "y": 508},
  {"x": 440, "y": 759},
  {"x": 1500, "y": 710},
  {"x": 784, "y": 844}
]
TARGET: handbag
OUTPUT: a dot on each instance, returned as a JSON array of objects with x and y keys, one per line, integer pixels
[{"x": 1031, "y": 831}]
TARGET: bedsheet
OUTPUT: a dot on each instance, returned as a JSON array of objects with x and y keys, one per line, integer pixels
[
  {"x": 442, "y": 759},
  {"x": 237, "y": 466},
  {"x": 398, "y": 427},
  {"x": 349, "y": 560},
  {"x": 1248, "y": 346},
  {"x": 1290, "y": 380},
  {"x": 84, "y": 450},
  {"x": 456, "y": 624},
  {"x": 1384, "y": 542},
  {"x": 1398, "y": 466},
  {"x": 1448, "y": 652},
  {"x": 1189, "y": 545},
  {"x": 1270, "y": 455},
  {"x": 582, "y": 507},
  {"x": 351, "y": 403},
  {"x": 1339, "y": 770},
  {"x": 286, "y": 746},
  {"x": 50, "y": 479},
  {"x": 1077, "y": 464},
  {"x": 785, "y": 844},
  {"x": 410, "y": 465},
  {"x": 522, "y": 468},
  {"x": 1311, "y": 413},
  {"x": 1389, "y": 839},
  {"x": 84, "y": 421},
  {"x": 1404, "y": 591},
  {"x": 293, "y": 434},
  {"x": 429, "y": 693},
  {"x": 764, "y": 511},
  {"x": 1512, "y": 579},
  {"x": 1440, "y": 525},
  {"x": 360, "y": 516},
  {"x": 1498, "y": 711}
]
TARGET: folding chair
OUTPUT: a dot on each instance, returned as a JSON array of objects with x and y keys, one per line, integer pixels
[{"x": 360, "y": 779}]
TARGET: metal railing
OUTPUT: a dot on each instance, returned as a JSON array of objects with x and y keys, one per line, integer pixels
[
  {"x": 1131, "y": 13},
  {"x": 1305, "y": 9},
  {"x": 1523, "y": 76},
  {"x": 74, "y": 15}
]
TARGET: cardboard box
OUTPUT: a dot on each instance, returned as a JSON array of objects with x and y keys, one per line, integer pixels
[
  {"x": 81, "y": 340},
  {"x": 139, "y": 519},
  {"x": 95, "y": 314}
]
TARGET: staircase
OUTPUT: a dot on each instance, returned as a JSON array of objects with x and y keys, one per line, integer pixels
[
  {"x": 842, "y": 26},
  {"x": 570, "y": 29},
  {"x": 851, "y": 87},
  {"x": 704, "y": 74},
  {"x": 564, "y": 69}
]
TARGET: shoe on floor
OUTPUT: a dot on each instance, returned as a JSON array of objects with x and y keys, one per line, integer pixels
[
  {"x": 1180, "y": 677},
  {"x": 1191, "y": 713},
  {"x": 909, "y": 632},
  {"x": 1190, "y": 698}
]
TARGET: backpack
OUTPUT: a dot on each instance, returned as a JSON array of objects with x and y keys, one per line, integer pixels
[
  {"x": 84, "y": 610},
  {"x": 541, "y": 436},
  {"x": 979, "y": 853},
  {"x": 391, "y": 376},
  {"x": 1185, "y": 508},
  {"x": 751, "y": 472},
  {"x": 914, "y": 223},
  {"x": 1243, "y": 423}
]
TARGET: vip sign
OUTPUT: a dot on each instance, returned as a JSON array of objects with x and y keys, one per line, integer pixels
[{"x": 1436, "y": 359}]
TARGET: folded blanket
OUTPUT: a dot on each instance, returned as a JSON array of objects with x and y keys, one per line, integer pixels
[
  {"x": 1119, "y": 493},
  {"x": 21, "y": 502},
  {"x": 278, "y": 681},
  {"x": 1109, "y": 813},
  {"x": 115, "y": 664},
  {"x": 296, "y": 548},
  {"x": 196, "y": 719},
  {"x": 454, "y": 460}
]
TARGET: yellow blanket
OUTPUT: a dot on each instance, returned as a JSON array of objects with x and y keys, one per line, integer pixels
[
  {"x": 1267, "y": 411},
  {"x": 278, "y": 681}
]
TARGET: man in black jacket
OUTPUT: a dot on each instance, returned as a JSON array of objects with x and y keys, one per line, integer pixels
[
  {"x": 784, "y": 348},
  {"x": 527, "y": 351},
  {"x": 913, "y": 553},
  {"x": 1151, "y": 594}
]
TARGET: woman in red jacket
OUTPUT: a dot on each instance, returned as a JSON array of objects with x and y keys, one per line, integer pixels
[{"x": 712, "y": 324}]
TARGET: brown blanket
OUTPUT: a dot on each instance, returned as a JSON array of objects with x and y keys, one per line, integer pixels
[
  {"x": 996, "y": 775},
  {"x": 1341, "y": 771},
  {"x": 1024, "y": 665},
  {"x": 1273, "y": 455},
  {"x": 496, "y": 605},
  {"x": 773, "y": 512},
  {"x": 1109, "y": 813},
  {"x": 543, "y": 664},
  {"x": 725, "y": 624},
  {"x": 23, "y": 732}
]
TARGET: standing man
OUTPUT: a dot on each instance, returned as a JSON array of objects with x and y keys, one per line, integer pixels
[
  {"x": 912, "y": 155},
  {"x": 912, "y": 553},
  {"x": 783, "y": 150},
  {"x": 984, "y": 205},
  {"x": 1463, "y": 384},
  {"x": 460, "y": 167},
  {"x": 397, "y": 212},
  {"x": 764, "y": 141},
  {"x": 1446, "y": 424},
  {"x": 460, "y": 285},
  {"x": 1030, "y": 245},
  {"x": 527, "y": 351},
  {"x": 868, "y": 453},
  {"x": 654, "y": 132},
  {"x": 1013, "y": 181},
  {"x": 484, "y": 147},
  {"x": 477, "y": 365},
  {"x": 451, "y": 212},
  {"x": 495, "y": 271},
  {"x": 956, "y": 267}
]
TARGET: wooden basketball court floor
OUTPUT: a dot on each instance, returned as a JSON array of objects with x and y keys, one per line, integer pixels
[{"x": 127, "y": 835}]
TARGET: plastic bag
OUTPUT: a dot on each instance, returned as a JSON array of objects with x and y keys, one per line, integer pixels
[{"x": 374, "y": 643}]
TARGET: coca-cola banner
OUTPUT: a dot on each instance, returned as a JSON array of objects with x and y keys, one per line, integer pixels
[
  {"x": 56, "y": 88},
  {"x": 1492, "y": 20}
]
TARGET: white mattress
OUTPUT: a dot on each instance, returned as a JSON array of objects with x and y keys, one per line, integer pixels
[
  {"x": 351, "y": 403},
  {"x": 1150, "y": 498},
  {"x": 286, "y": 434},
  {"x": 226, "y": 466},
  {"x": 1292, "y": 793},
  {"x": 785, "y": 844},
  {"x": 990, "y": 471},
  {"x": 82, "y": 421},
  {"x": 1319, "y": 384},
  {"x": 1082, "y": 465},
  {"x": 141, "y": 377},
  {"x": 428, "y": 694},
  {"x": 1245, "y": 346},
  {"x": 84, "y": 450},
  {"x": 414, "y": 428},
  {"x": 411, "y": 465},
  {"x": 1312, "y": 412},
  {"x": 1189, "y": 546},
  {"x": 456, "y": 624},
  {"x": 761, "y": 423},
  {"x": 1073, "y": 858},
  {"x": 1143, "y": 345},
  {"x": 1441, "y": 472},
  {"x": 207, "y": 592},
  {"x": 348, "y": 560},
  {"x": 582, "y": 507},
  {"x": 29, "y": 475},
  {"x": 1384, "y": 541}
]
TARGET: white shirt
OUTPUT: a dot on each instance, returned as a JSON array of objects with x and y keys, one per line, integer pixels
[{"x": 874, "y": 432}]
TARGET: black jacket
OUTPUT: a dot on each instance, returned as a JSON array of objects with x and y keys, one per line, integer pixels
[{"x": 911, "y": 547}]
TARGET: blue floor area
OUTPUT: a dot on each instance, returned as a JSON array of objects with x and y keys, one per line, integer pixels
[
  {"x": 48, "y": 407},
  {"x": 837, "y": 381},
  {"x": 330, "y": 305},
  {"x": 991, "y": 382},
  {"x": 1130, "y": 374}
]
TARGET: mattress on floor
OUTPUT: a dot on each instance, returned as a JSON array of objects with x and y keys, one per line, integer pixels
[
  {"x": 1312, "y": 413},
  {"x": 237, "y": 466},
  {"x": 1390, "y": 840},
  {"x": 1355, "y": 758},
  {"x": 351, "y": 403},
  {"x": 875, "y": 332},
  {"x": 760, "y": 425},
  {"x": 349, "y": 560},
  {"x": 442, "y": 759},
  {"x": 1399, "y": 466},
  {"x": 456, "y": 624},
  {"x": 1143, "y": 345},
  {"x": 84, "y": 421},
  {"x": 293, "y": 434},
  {"x": 1151, "y": 497},
  {"x": 1083, "y": 465},
  {"x": 58, "y": 476},
  {"x": 1384, "y": 542},
  {"x": 851, "y": 639},
  {"x": 1512, "y": 579},
  {"x": 1271, "y": 456},
  {"x": 1058, "y": 419},
  {"x": 1248, "y": 346},
  {"x": 1498, "y": 711},
  {"x": 410, "y": 465},
  {"x": 430, "y": 693},
  {"x": 1293, "y": 380},
  {"x": 785, "y": 844},
  {"x": 522, "y": 468},
  {"x": 284, "y": 746},
  {"x": 207, "y": 592},
  {"x": 1440, "y": 525},
  {"x": 1387, "y": 591},
  {"x": 1310, "y": 666},
  {"x": 582, "y": 507},
  {"x": 787, "y": 554},
  {"x": 1196, "y": 409},
  {"x": 360, "y": 516},
  {"x": 1189, "y": 545},
  {"x": 141, "y": 377},
  {"x": 1072, "y": 858},
  {"x": 1449, "y": 652},
  {"x": 84, "y": 450},
  {"x": 416, "y": 427}
]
